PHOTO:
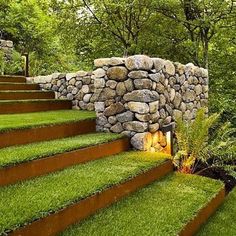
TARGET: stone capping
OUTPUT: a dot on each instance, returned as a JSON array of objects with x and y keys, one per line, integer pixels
[{"x": 134, "y": 95}]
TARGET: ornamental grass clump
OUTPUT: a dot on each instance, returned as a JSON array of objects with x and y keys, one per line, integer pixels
[{"x": 192, "y": 139}]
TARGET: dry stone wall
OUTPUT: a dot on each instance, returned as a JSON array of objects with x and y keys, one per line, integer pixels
[
  {"x": 78, "y": 87},
  {"x": 6, "y": 46},
  {"x": 139, "y": 95},
  {"x": 135, "y": 96}
]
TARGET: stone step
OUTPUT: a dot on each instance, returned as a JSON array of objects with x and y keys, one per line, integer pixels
[
  {"x": 48, "y": 204},
  {"x": 34, "y": 105},
  {"x": 50, "y": 156},
  {"x": 12, "y": 79},
  {"x": 17, "y": 129},
  {"x": 28, "y": 94},
  {"x": 18, "y": 86}
]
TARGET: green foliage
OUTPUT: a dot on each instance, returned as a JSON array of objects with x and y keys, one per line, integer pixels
[{"x": 192, "y": 137}]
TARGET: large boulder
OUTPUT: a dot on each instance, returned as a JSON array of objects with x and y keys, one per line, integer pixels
[
  {"x": 139, "y": 62},
  {"x": 118, "y": 73},
  {"x": 138, "y": 107},
  {"x": 142, "y": 141}
]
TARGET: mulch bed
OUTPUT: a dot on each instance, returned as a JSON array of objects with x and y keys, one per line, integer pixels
[{"x": 220, "y": 174}]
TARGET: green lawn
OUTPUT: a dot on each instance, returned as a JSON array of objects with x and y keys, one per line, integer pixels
[
  {"x": 28, "y": 120},
  {"x": 223, "y": 222},
  {"x": 161, "y": 209},
  {"x": 27, "y": 201},
  {"x": 18, "y": 154}
]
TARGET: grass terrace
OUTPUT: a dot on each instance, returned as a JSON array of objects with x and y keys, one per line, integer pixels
[
  {"x": 163, "y": 208},
  {"x": 223, "y": 222},
  {"x": 18, "y": 154},
  {"x": 37, "y": 119},
  {"x": 25, "y": 202}
]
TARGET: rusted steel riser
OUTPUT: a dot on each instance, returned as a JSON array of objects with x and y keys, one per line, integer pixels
[
  {"x": 57, "y": 162},
  {"x": 194, "y": 225},
  {"x": 59, "y": 221},
  {"x": 25, "y": 107},
  {"x": 12, "y": 79},
  {"x": 26, "y": 95},
  {"x": 18, "y": 86},
  {"x": 37, "y": 134}
]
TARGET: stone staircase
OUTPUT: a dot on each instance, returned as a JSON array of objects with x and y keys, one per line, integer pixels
[{"x": 55, "y": 170}]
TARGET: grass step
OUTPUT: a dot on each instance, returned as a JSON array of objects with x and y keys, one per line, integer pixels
[
  {"x": 163, "y": 208},
  {"x": 18, "y": 86},
  {"x": 12, "y": 78},
  {"x": 23, "y": 203},
  {"x": 18, "y": 129},
  {"x": 27, "y": 161},
  {"x": 33, "y": 105},
  {"x": 223, "y": 222},
  {"x": 26, "y": 94}
]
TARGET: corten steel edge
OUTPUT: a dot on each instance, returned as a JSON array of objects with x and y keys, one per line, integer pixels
[
  {"x": 18, "y": 86},
  {"x": 59, "y": 221},
  {"x": 12, "y": 79},
  {"x": 202, "y": 216},
  {"x": 13, "y": 106},
  {"x": 30, "y": 94},
  {"x": 47, "y": 132},
  {"x": 27, "y": 170}
]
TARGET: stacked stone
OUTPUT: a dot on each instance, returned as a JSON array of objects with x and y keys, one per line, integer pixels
[
  {"x": 78, "y": 87},
  {"x": 139, "y": 94},
  {"x": 6, "y": 47}
]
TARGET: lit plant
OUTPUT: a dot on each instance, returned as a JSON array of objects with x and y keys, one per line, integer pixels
[{"x": 192, "y": 139}]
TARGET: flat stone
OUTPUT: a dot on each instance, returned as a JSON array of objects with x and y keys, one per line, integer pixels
[
  {"x": 81, "y": 73},
  {"x": 154, "y": 106},
  {"x": 70, "y": 76},
  {"x": 160, "y": 88},
  {"x": 143, "y": 84},
  {"x": 142, "y": 141},
  {"x": 189, "y": 96},
  {"x": 99, "y": 73},
  {"x": 120, "y": 89},
  {"x": 136, "y": 126},
  {"x": 116, "y": 61},
  {"x": 99, "y": 106},
  {"x": 138, "y": 107},
  {"x": 154, "y": 127},
  {"x": 99, "y": 83},
  {"x": 111, "y": 84},
  {"x": 198, "y": 89},
  {"x": 158, "y": 63},
  {"x": 156, "y": 77},
  {"x": 139, "y": 62},
  {"x": 177, "y": 100},
  {"x": 118, "y": 73},
  {"x": 139, "y": 74},
  {"x": 125, "y": 117},
  {"x": 107, "y": 94},
  {"x": 129, "y": 85},
  {"x": 87, "y": 97},
  {"x": 143, "y": 118},
  {"x": 177, "y": 114},
  {"x": 117, "y": 128},
  {"x": 169, "y": 67},
  {"x": 114, "y": 109},
  {"x": 101, "y": 62},
  {"x": 141, "y": 96}
]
